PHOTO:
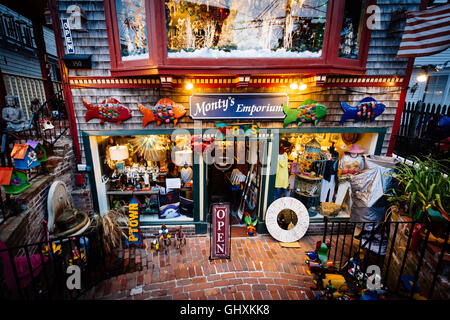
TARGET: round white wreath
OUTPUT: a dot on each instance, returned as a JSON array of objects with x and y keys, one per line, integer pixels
[{"x": 298, "y": 231}]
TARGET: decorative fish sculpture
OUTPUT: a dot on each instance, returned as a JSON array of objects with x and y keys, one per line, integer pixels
[
  {"x": 366, "y": 110},
  {"x": 308, "y": 111},
  {"x": 110, "y": 110},
  {"x": 165, "y": 111}
]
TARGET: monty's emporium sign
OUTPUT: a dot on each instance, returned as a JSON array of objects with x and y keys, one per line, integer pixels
[{"x": 237, "y": 106}]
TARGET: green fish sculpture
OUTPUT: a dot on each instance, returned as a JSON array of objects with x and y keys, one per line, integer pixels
[{"x": 308, "y": 111}]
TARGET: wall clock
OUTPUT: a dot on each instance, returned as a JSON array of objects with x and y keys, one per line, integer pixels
[{"x": 284, "y": 205}]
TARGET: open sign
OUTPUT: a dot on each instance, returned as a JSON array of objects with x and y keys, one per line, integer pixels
[{"x": 220, "y": 231}]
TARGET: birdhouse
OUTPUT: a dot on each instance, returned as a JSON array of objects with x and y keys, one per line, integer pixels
[
  {"x": 25, "y": 157},
  {"x": 41, "y": 153},
  {"x": 14, "y": 181}
]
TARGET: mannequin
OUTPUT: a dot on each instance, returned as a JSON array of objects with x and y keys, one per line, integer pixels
[
  {"x": 330, "y": 174},
  {"x": 282, "y": 177}
]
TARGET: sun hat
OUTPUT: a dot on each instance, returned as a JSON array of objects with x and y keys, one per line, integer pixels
[{"x": 355, "y": 149}]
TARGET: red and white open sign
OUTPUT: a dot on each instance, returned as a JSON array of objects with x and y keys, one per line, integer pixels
[{"x": 220, "y": 231}]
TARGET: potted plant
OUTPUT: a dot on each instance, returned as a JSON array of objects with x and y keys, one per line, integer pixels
[
  {"x": 423, "y": 193},
  {"x": 111, "y": 229}
]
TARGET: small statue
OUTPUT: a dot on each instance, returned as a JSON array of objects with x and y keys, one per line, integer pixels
[{"x": 14, "y": 117}]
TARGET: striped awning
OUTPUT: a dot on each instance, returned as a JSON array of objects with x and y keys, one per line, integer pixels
[{"x": 426, "y": 32}]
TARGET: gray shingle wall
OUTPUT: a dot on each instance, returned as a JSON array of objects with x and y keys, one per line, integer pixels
[{"x": 381, "y": 61}]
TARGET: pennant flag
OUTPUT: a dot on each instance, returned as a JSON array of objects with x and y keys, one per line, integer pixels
[{"x": 427, "y": 32}]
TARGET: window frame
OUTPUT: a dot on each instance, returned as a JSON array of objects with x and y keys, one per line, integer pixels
[{"x": 160, "y": 63}]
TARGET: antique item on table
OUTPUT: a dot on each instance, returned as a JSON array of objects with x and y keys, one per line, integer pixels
[
  {"x": 165, "y": 111},
  {"x": 110, "y": 110},
  {"x": 366, "y": 110},
  {"x": 119, "y": 154},
  {"x": 308, "y": 111},
  {"x": 14, "y": 117},
  {"x": 186, "y": 174},
  {"x": 25, "y": 157},
  {"x": 308, "y": 181}
]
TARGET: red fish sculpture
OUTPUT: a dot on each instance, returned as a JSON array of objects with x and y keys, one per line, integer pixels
[
  {"x": 165, "y": 111},
  {"x": 109, "y": 110}
]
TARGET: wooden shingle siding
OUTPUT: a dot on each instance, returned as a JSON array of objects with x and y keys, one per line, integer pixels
[{"x": 95, "y": 41}]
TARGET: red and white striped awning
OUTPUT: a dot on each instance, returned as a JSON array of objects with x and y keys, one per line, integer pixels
[{"x": 426, "y": 32}]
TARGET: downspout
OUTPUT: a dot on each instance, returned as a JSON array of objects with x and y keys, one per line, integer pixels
[{"x": 56, "y": 23}]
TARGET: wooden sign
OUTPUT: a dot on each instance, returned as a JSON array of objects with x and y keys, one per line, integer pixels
[
  {"x": 134, "y": 232},
  {"x": 220, "y": 231}
]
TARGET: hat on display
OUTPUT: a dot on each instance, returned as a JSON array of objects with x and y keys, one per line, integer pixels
[{"x": 355, "y": 149}]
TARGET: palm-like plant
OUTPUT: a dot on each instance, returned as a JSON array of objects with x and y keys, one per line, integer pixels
[{"x": 422, "y": 185}]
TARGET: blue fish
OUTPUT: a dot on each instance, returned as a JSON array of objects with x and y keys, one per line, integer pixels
[{"x": 366, "y": 110}]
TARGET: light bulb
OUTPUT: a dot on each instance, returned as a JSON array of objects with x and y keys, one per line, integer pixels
[
  {"x": 302, "y": 87},
  {"x": 293, "y": 85},
  {"x": 189, "y": 86},
  {"x": 422, "y": 77}
]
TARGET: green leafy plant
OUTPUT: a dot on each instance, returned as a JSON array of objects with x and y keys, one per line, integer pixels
[{"x": 422, "y": 185}]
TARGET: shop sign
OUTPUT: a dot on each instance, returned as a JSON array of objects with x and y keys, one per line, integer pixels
[
  {"x": 68, "y": 37},
  {"x": 134, "y": 232},
  {"x": 237, "y": 106},
  {"x": 220, "y": 231}
]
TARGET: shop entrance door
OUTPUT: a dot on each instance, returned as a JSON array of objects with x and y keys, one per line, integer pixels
[{"x": 235, "y": 176}]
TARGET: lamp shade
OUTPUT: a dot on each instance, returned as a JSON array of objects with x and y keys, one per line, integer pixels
[
  {"x": 182, "y": 157},
  {"x": 118, "y": 153}
]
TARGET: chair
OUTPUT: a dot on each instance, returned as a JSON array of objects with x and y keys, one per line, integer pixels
[{"x": 22, "y": 267}]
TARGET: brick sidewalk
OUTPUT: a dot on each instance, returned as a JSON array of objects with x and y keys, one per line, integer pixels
[{"x": 259, "y": 268}]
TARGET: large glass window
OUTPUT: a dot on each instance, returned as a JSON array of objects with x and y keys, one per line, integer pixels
[
  {"x": 156, "y": 169},
  {"x": 245, "y": 28},
  {"x": 351, "y": 29},
  {"x": 132, "y": 25}
]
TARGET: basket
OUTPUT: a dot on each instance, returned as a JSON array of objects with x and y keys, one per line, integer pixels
[{"x": 329, "y": 209}]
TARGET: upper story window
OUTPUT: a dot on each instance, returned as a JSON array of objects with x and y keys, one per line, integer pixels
[
  {"x": 132, "y": 25},
  {"x": 236, "y": 36},
  {"x": 245, "y": 29},
  {"x": 352, "y": 27}
]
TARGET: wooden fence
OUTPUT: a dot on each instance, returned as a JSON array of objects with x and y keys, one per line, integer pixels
[
  {"x": 27, "y": 89},
  {"x": 419, "y": 133}
]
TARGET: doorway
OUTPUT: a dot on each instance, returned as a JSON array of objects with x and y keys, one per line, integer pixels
[{"x": 235, "y": 176}]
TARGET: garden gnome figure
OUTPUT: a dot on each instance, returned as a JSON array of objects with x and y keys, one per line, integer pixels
[{"x": 14, "y": 117}]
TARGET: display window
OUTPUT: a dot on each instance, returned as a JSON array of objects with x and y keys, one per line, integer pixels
[
  {"x": 319, "y": 166},
  {"x": 157, "y": 169},
  {"x": 252, "y": 28}
]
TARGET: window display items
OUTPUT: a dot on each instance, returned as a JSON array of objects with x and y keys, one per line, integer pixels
[
  {"x": 110, "y": 110},
  {"x": 302, "y": 217},
  {"x": 245, "y": 29},
  {"x": 308, "y": 181},
  {"x": 366, "y": 110},
  {"x": 119, "y": 154},
  {"x": 352, "y": 161},
  {"x": 308, "y": 111},
  {"x": 165, "y": 111},
  {"x": 282, "y": 176},
  {"x": 330, "y": 175},
  {"x": 132, "y": 25}
]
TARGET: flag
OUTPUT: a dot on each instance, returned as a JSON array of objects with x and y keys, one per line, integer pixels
[{"x": 426, "y": 32}]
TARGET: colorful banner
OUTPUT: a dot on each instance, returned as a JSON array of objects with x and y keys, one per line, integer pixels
[
  {"x": 237, "y": 106},
  {"x": 220, "y": 230}
]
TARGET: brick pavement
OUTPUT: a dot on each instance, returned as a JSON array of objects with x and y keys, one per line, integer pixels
[{"x": 259, "y": 269}]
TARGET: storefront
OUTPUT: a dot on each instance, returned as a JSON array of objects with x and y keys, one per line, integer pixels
[{"x": 304, "y": 85}]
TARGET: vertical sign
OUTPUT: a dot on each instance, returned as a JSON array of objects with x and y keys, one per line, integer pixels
[
  {"x": 220, "y": 230},
  {"x": 68, "y": 36}
]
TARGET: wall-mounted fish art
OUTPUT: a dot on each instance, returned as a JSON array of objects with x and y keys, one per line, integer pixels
[
  {"x": 308, "y": 111},
  {"x": 366, "y": 110},
  {"x": 110, "y": 110},
  {"x": 165, "y": 111}
]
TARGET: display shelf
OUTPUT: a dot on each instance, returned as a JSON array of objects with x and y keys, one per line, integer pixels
[{"x": 130, "y": 192}]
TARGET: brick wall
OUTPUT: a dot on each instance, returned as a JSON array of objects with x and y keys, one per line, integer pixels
[{"x": 28, "y": 227}]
